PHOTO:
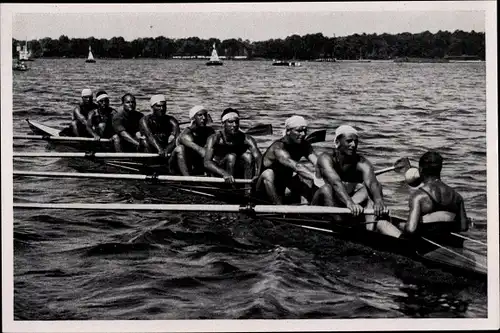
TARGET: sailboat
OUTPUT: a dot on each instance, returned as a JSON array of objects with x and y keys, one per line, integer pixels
[
  {"x": 24, "y": 53},
  {"x": 90, "y": 57},
  {"x": 214, "y": 58}
]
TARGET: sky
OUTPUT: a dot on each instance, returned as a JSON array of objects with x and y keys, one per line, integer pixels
[{"x": 257, "y": 21}]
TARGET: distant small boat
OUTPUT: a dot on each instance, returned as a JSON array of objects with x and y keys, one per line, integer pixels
[
  {"x": 90, "y": 57},
  {"x": 286, "y": 63},
  {"x": 214, "y": 59}
]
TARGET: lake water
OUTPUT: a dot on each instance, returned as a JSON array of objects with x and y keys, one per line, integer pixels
[{"x": 151, "y": 265}]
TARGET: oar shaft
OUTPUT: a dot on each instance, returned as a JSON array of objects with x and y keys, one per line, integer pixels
[
  {"x": 84, "y": 155},
  {"x": 381, "y": 171},
  {"x": 58, "y": 138},
  {"x": 284, "y": 209},
  {"x": 165, "y": 178}
]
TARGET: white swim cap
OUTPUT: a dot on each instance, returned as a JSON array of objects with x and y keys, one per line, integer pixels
[
  {"x": 194, "y": 110},
  {"x": 86, "y": 92},
  {"x": 157, "y": 99},
  {"x": 294, "y": 122},
  {"x": 343, "y": 130}
]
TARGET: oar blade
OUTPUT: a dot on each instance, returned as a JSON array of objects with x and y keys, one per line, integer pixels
[
  {"x": 260, "y": 129},
  {"x": 402, "y": 165},
  {"x": 316, "y": 136}
]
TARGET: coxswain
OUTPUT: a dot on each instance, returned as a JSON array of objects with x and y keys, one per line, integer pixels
[
  {"x": 100, "y": 119},
  {"x": 79, "y": 124},
  {"x": 229, "y": 149},
  {"x": 158, "y": 127},
  {"x": 281, "y": 161},
  {"x": 126, "y": 126},
  {"x": 187, "y": 158},
  {"x": 435, "y": 207},
  {"x": 347, "y": 179}
]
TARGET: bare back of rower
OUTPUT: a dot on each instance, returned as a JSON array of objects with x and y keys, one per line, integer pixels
[{"x": 435, "y": 207}]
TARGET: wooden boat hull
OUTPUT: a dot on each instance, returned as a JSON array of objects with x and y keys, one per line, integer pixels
[{"x": 466, "y": 262}]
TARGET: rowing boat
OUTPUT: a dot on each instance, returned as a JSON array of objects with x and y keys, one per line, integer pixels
[{"x": 445, "y": 251}]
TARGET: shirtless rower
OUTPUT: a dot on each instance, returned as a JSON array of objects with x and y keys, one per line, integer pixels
[
  {"x": 157, "y": 127},
  {"x": 281, "y": 160},
  {"x": 188, "y": 156},
  {"x": 100, "y": 119},
  {"x": 228, "y": 148},
  {"x": 434, "y": 207},
  {"x": 126, "y": 126},
  {"x": 79, "y": 124},
  {"x": 349, "y": 179}
]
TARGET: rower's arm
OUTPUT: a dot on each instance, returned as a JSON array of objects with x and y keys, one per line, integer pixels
[
  {"x": 208, "y": 163},
  {"x": 255, "y": 151},
  {"x": 175, "y": 132},
  {"x": 328, "y": 173},
  {"x": 186, "y": 139},
  {"x": 122, "y": 132},
  {"x": 81, "y": 118},
  {"x": 146, "y": 131},
  {"x": 371, "y": 181},
  {"x": 462, "y": 215},
  {"x": 284, "y": 159},
  {"x": 414, "y": 214}
]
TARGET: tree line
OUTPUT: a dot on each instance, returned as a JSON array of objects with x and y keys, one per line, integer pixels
[{"x": 308, "y": 47}]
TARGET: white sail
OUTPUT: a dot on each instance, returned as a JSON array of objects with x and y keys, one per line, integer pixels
[
  {"x": 23, "y": 52},
  {"x": 91, "y": 56},
  {"x": 214, "y": 56}
]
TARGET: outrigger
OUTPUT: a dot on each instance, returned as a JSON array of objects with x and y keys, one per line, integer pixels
[{"x": 445, "y": 250}]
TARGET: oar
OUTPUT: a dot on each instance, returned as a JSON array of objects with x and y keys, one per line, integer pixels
[
  {"x": 257, "y": 209},
  {"x": 58, "y": 138},
  {"x": 259, "y": 129},
  {"x": 165, "y": 178},
  {"x": 86, "y": 155},
  {"x": 316, "y": 136},
  {"x": 400, "y": 166}
]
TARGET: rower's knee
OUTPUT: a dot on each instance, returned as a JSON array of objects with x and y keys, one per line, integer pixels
[
  {"x": 247, "y": 158},
  {"x": 179, "y": 151},
  {"x": 231, "y": 159},
  {"x": 323, "y": 196},
  {"x": 266, "y": 177},
  {"x": 117, "y": 142}
]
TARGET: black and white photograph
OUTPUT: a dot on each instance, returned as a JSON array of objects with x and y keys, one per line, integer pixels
[{"x": 246, "y": 167}]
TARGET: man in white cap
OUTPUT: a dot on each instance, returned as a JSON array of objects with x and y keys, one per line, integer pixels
[
  {"x": 79, "y": 124},
  {"x": 158, "y": 127},
  {"x": 347, "y": 179},
  {"x": 126, "y": 126},
  {"x": 230, "y": 153},
  {"x": 100, "y": 119},
  {"x": 188, "y": 156},
  {"x": 281, "y": 161}
]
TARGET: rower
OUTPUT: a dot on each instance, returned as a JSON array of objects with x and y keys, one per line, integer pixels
[
  {"x": 100, "y": 119},
  {"x": 281, "y": 160},
  {"x": 435, "y": 207},
  {"x": 228, "y": 149},
  {"x": 126, "y": 126},
  {"x": 79, "y": 124},
  {"x": 347, "y": 179},
  {"x": 157, "y": 127},
  {"x": 188, "y": 156}
]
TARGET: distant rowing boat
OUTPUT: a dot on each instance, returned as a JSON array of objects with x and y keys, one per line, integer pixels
[
  {"x": 286, "y": 63},
  {"x": 445, "y": 250}
]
